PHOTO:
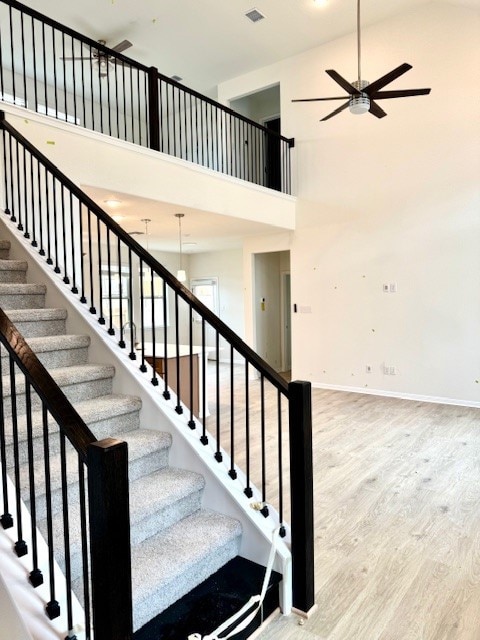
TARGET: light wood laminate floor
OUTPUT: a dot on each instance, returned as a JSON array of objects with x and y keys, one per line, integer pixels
[{"x": 397, "y": 521}]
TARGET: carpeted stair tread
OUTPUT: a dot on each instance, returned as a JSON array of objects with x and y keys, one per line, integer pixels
[
  {"x": 199, "y": 545},
  {"x": 5, "y": 245},
  {"x": 19, "y": 289},
  {"x": 46, "y": 344},
  {"x": 92, "y": 411},
  {"x": 36, "y": 315},
  {"x": 65, "y": 376},
  {"x": 141, "y": 443},
  {"x": 150, "y": 510}
]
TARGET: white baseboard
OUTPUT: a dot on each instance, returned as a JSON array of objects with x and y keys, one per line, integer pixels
[{"x": 398, "y": 394}]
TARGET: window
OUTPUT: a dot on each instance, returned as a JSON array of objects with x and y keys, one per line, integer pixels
[{"x": 156, "y": 300}]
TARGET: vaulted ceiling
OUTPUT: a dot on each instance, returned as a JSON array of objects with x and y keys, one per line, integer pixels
[{"x": 211, "y": 41}]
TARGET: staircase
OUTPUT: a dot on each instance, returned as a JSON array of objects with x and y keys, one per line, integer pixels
[{"x": 176, "y": 545}]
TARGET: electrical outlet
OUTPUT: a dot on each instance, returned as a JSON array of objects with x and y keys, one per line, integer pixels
[
  {"x": 393, "y": 287},
  {"x": 386, "y": 288},
  {"x": 389, "y": 370},
  {"x": 393, "y": 371}
]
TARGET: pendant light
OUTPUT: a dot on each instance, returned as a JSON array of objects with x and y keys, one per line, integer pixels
[
  {"x": 146, "y": 221},
  {"x": 181, "y": 274}
]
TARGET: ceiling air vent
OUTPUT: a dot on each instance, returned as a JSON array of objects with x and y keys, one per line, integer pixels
[
  {"x": 254, "y": 15},
  {"x": 176, "y": 78}
]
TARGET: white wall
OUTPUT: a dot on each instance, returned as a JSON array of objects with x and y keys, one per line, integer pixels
[{"x": 386, "y": 201}]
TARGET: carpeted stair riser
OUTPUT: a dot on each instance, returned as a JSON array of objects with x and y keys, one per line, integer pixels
[
  {"x": 4, "y": 249},
  {"x": 123, "y": 416},
  {"x": 13, "y": 271},
  {"x": 148, "y": 516},
  {"x": 176, "y": 544},
  {"x": 22, "y": 296}
]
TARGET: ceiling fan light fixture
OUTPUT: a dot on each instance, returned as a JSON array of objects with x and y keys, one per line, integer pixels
[{"x": 359, "y": 105}]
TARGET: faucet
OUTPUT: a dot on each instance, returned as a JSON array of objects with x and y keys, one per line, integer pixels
[{"x": 133, "y": 326}]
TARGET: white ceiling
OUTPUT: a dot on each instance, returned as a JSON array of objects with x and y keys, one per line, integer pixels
[
  {"x": 206, "y": 43},
  {"x": 211, "y": 41}
]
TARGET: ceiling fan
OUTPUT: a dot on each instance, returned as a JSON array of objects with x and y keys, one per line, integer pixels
[
  {"x": 362, "y": 94},
  {"x": 100, "y": 57}
]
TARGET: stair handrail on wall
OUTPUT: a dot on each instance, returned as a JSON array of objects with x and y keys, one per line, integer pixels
[
  {"x": 103, "y": 504},
  {"x": 130, "y": 101},
  {"x": 137, "y": 300}
]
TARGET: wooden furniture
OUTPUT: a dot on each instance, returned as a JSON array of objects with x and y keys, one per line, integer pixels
[{"x": 169, "y": 365}]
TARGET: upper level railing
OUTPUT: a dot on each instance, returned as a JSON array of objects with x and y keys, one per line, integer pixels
[
  {"x": 37, "y": 425},
  {"x": 55, "y": 70},
  {"x": 241, "y": 410}
]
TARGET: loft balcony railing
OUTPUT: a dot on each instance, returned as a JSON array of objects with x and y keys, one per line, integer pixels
[
  {"x": 115, "y": 95},
  {"x": 150, "y": 315}
]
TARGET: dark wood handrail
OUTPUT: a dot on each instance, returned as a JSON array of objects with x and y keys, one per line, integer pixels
[
  {"x": 223, "y": 329},
  {"x": 69, "y": 422},
  {"x": 141, "y": 67}
]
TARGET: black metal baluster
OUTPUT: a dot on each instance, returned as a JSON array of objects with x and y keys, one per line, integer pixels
[
  {"x": 66, "y": 279},
  {"x": 84, "y": 536},
  {"x": 74, "y": 77},
  {"x": 36, "y": 577},
  {"x": 248, "y": 489},
  {"x": 117, "y": 109},
  {"x": 47, "y": 219},
  {"x": 147, "y": 133},
  {"x": 166, "y": 392},
  {"x": 264, "y": 510},
  {"x": 41, "y": 205},
  {"x": 52, "y": 608},
  {"x": 12, "y": 58},
  {"x": 55, "y": 223},
  {"x": 178, "y": 408},
  {"x": 131, "y": 104},
  {"x": 24, "y": 74},
  {"x": 34, "y": 53},
  {"x": 100, "y": 96},
  {"x": 26, "y": 187},
  {"x": 19, "y": 190},
  {"x": 191, "y": 422},
  {"x": 90, "y": 262},
  {"x": 154, "y": 338},
  {"x": 121, "y": 342},
  {"x": 72, "y": 246},
  {"x": 232, "y": 473},
  {"x": 218, "y": 453},
  {"x": 45, "y": 86},
  {"x": 33, "y": 203},
  {"x": 111, "y": 330},
  {"x": 161, "y": 123},
  {"x": 143, "y": 367},
  {"x": 66, "y": 536},
  {"x": 90, "y": 68},
  {"x": 280, "y": 464},
  {"x": 101, "y": 318},
  {"x": 20, "y": 544},
  {"x": 83, "y": 297},
  {"x": 132, "y": 355},
  {"x": 55, "y": 87},
  {"x": 65, "y": 96},
  {"x": 204, "y": 437},
  {"x": 83, "y": 85},
  {"x": 139, "y": 108},
  {"x": 167, "y": 121},
  {"x": 109, "y": 107},
  {"x": 6, "y": 181},
  {"x": 12, "y": 180},
  {"x": 124, "y": 102},
  {"x": 2, "y": 86},
  {"x": 191, "y": 129},
  {"x": 6, "y": 519}
]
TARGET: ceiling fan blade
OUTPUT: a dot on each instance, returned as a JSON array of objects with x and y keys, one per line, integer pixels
[
  {"x": 317, "y": 99},
  {"x": 121, "y": 46},
  {"x": 349, "y": 88},
  {"x": 377, "y": 111},
  {"x": 387, "y": 78},
  {"x": 401, "y": 93},
  {"x": 334, "y": 113}
]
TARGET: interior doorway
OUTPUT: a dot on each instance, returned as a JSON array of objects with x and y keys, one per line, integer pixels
[
  {"x": 273, "y": 163},
  {"x": 272, "y": 308}
]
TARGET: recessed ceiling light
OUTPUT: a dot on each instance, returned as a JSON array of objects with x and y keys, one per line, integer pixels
[
  {"x": 112, "y": 202},
  {"x": 320, "y": 3},
  {"x": 118, "y": 217}
]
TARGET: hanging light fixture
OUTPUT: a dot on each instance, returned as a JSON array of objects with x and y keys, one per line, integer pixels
[
  {"x": 181, "y": 274},
  {"x": 146, "y": 221}
]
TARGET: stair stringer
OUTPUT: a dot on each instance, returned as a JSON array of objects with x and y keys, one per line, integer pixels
[{"x": 186, "y": 452}]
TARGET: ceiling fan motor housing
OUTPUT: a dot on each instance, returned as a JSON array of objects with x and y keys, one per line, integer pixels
[{"x": 359, "y": 104}]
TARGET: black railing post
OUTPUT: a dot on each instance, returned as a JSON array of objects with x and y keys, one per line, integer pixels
[
  {"x": 107, "y": 463},
  {"x": 301, "y": 496},
  {"x": 153, "y": 124}
]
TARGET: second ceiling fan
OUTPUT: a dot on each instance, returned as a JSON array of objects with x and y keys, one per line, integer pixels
[{"x": 361, "y": 94}]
